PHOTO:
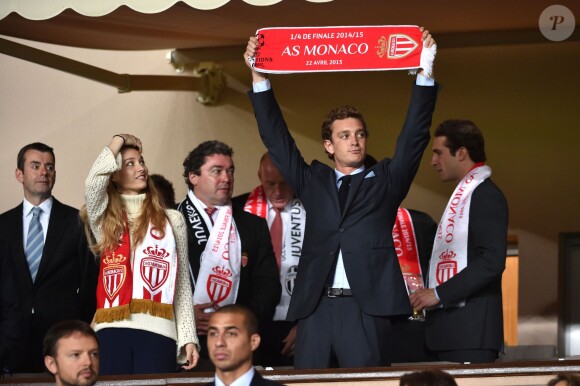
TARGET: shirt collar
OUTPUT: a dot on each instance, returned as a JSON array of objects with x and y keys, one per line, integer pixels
[
  {"x": 270, "y": 206},
  {"x": 197, "y": 202},
  {"x": 244, "y": 380},
  {"x": 45, "y": 205},
  {"x": 338, "y": 174}
]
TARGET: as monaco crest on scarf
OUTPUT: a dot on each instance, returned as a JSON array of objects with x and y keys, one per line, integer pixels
[
  {"x": 219, "y": 284},
  {"x": 320, "y": 49},
  {"x": 154, "y": 270},
  {"x": 114, "y": 275},
  {"x": 447, "y": 267}
]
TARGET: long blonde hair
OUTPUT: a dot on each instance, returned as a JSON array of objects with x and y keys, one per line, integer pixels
[{"x": 114, "y": 219}]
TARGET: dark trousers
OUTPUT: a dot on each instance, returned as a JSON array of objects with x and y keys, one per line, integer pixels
[
  {"x": 409, "y": 341},
  {"x": 30, "y": 359},
  {"x": 271, "y": 344},
  {"x": 471, "y": 356},
  {"x": 131, "y": 351},
  {"x": 339, "y": 334}
]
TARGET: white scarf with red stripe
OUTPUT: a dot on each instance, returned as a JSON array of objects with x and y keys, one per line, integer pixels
[
  {"x": 449, "y": 256},
  {"x": 291, "y": 244},
  {"x": 221, "y": 262}
]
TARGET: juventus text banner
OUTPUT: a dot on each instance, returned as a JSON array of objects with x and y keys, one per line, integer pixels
[{"x": 318, "y": 49}]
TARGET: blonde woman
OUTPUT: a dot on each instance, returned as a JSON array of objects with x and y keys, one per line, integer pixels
[{"x": 144, "y": 298}]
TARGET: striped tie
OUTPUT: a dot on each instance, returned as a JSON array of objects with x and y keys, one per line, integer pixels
[
  {"x": 210, "y": 212},
  {"x": 34, "y": 242}
]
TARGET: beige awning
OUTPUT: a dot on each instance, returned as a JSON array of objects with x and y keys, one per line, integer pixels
[
  {"x": 46, "y": 9},
  {"x": 217, "y": 30}
]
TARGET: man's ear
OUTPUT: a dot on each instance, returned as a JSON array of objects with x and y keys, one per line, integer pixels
[
  {"x": 328, "y": 146},
  {"x": 192, "y": 177},
  {"x": 462, "y": 154},
  {"x": 255, "y": 341},
  {"x": 19, "y": 175},
  {"x": 50, "y": 364}
]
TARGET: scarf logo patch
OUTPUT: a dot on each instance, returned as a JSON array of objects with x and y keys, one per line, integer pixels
[
  {"x": 290, "y": 278},
  {"x": 114, "y": 274},
  {"x": 218, "y": 284},
  {"x": 396, "y": 46},
  {"x": 154, "y": 270},
  {"x": 447, "y": 268}
]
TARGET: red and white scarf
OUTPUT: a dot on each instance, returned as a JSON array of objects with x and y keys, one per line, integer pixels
[
  {"x": 145, "y": 285},
  {"x": 342, "y": 48},
  {"x": 292, "y": 239},
  {"x": 449, "y": 254},
  {"x": 407, "y": 251},
  {"x": 221, "y": 261}
]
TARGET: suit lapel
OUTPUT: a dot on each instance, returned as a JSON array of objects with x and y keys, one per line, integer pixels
[
  {"x": 332, "y": 184},
  {"x": 256, "y": 379}
]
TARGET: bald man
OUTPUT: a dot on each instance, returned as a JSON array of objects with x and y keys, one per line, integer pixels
[{"x": 274, "y": 200}]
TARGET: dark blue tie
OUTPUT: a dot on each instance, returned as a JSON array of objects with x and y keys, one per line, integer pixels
[{"x": 343, "y": 191}]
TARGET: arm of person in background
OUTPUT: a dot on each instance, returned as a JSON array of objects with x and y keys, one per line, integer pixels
[
  {"x": 488, "y": 228},
  {"x": 202, "y": 313},
  {"x": 289, "y": 343}
]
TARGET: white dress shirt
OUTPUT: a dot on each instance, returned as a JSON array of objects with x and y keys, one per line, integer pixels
[
  {"x": 244, "y": 380},
  {"x": 46, "y": 207}
]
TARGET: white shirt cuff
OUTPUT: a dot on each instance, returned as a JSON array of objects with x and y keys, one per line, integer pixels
[
  {"x": 261, "y": 86},
  {"x": 424, "y": 81}
]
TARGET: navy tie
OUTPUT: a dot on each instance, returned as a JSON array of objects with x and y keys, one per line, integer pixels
[
  {"x": 34, "y": 242},
  {"x": 343, "y": 191}
]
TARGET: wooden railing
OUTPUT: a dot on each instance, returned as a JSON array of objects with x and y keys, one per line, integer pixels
[{"x": 498, "y": 374}]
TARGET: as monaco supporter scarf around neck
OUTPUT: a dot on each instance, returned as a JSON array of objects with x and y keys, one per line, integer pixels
[
  {"x": 257, "y": 204},
  {"x": 145, "y": 286},
  {"x": 407, "y": 252},
  {"x": 449, "y": 254},
  {"x": 221, "y": 261},
  {"x": 347, "y": 48}
]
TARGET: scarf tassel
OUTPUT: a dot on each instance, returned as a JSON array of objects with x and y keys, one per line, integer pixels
[
  {"x": 137, "y": 306},
  {"x": 108, "y": 315},
  {"x": 142, "y": 306}
]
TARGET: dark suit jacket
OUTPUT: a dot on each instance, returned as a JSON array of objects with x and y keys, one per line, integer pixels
[
  {"x": 257, "y": 380},
  {"x": 240, "y": 201},
  {"x": 478, "y": 325},
  {"x": 259, "y": 283},
  {"x": 65, "y": 286},
  {"x": 363, "y": 230},
  {"x": 9, "y": 311}
]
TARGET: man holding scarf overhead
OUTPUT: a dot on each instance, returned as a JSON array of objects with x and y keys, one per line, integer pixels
[
  {"x": 464, "y": 318},
  {"x": 230, "y": 251},
  {"x": 349, "y": 282}
]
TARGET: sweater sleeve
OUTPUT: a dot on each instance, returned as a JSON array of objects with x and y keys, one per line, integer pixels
[
  {"x": 183, "y": 302},
  {"x": 96, "y": 189}
]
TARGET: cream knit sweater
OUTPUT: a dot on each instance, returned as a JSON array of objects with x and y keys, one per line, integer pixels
[{"x": 182, "y": 327}]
